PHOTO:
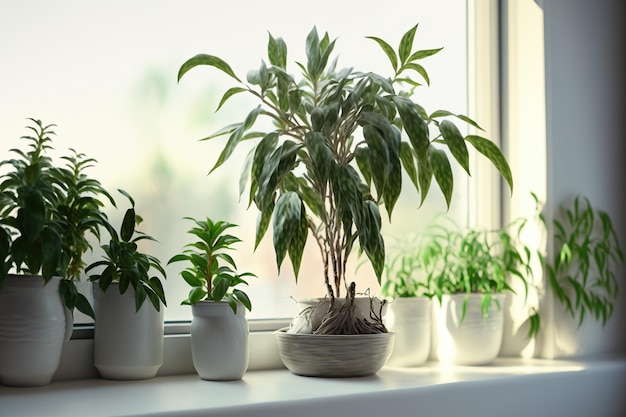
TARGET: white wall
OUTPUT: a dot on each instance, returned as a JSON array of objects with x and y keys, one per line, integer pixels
[{"x": 585, "y": 121}]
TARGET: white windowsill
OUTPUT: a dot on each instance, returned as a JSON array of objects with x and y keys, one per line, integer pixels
[{"x": 511, "y": 387}]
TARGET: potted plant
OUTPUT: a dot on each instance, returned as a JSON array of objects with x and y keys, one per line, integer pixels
[
  {"x": 581, "y": 267},
  {"x": 335, "y": 154},
  {"x": 409, "y": 311},
  {"x": 219, "y": 330},
  {"x": 48, "y": 213},
  {"x": 469, "y": 271},
  {"x": 128, "y": 336}
]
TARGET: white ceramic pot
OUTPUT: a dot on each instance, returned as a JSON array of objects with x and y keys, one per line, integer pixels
[
  {"x": 475, "y": 340},
  {"x": 128, "y": 345},
  {"x": 33, "y": 326},
  {"x": 313, "y": 310},
  {"x": 219, "y": 341},
  {"x": 410, "y": 319}
]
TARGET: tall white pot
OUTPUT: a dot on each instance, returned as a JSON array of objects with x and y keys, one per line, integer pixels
[
  {"x": 410, "y": 319},
  {"x": 128, "y": 345},
  {"x": 475, "y": 340},
  {"x": 219, "y": 341},
  {"x": 33, "y": 326}
]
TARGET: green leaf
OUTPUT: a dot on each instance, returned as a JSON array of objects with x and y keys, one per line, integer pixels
[
  {"x": 263, "y": 221},
  {"x": 361, "y": 155},
  {"x": 393, "y": 186},
  {"x": 313, "y": 54},
  {"x": 425, "y": 175},
  {"x": 406, "y": 44},
  {"x": 287, "y": 214},
  {"x": 321, "y": 156},
  {"x": 82, "y": 305},
  {"x": 50, "y": 250},
  {"x": 453, "y": 138},
  {"x": 262, "y": 153},
  {"x": 228, "y": 94},
  {"x": 438, "y": 161},
  {"x": 128, "y": 225},
  {"x": 220, "y": 287},
  {"x": 417, "y": 68},
  {"x": 204, "y": 59},
  {"x": 372, "y": 241},
  {"x": 423, "y": 54},
  {"x": 298, "y": 241},
  {"x": 408, "y": 162},
  {"x": 415, "y": 127},
  {"x": 243, "y": 299},
  {"x": 388, "y": 50},
  {"x": 379, "y": 157},
  {"x": 493, "y": 153},
  {"x": 236, "y": 136},
  {"x": 196, "y": 294},
  {"x": 277, "y": 51}
]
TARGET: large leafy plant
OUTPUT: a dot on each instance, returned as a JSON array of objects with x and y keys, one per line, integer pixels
[
  {"x": 212, "y": 272},
  {"x": 582, "y": 269},
  {"x": 339, "y": 142},
  {"x": 48, "y": 214},
  {"x": 125, "y": 264}
]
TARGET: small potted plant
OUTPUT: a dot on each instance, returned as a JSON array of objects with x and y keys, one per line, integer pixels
[
  {"x": 409, "y": 311},
  {"x": 469, "y": 271},
  {"x": 219, "y": 330},
  {"x": 340, "y": 140},
  {"x": 48, "y": 213},
  {"x": 128, "y": 338}
]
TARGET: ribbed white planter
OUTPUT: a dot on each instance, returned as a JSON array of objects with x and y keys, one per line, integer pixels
[
  {"x": 34, "y": 324},
  {"x": 473, "y": 341},
  {"x": 219, "y": 341},
  {"x": 410, "y": 319},
  {"x": 128, "y": 345}
]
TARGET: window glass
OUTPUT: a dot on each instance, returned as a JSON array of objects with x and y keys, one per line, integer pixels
[{"x": 105, "y": 74}]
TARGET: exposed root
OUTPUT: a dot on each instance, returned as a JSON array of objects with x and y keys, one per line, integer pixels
[{"x": 342, "y": 319}]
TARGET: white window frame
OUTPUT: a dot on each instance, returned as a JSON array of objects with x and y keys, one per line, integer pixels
[{"x": 484, "y": 207}]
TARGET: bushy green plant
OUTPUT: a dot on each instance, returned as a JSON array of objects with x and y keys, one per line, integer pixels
[
  {"x": 339, "y": 142},
  {"x": 586, "y": 253},
  {"x": 455, "y": 260},
  {"x": 125, "y": 264},
  {"x": 212, "y": 273},
  {"x": 48, "y": 213}
]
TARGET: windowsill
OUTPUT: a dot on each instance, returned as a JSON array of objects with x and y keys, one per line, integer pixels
[{"x": 508, "y": 387}]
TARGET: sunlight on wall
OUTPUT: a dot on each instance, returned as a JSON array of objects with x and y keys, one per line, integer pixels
[{"x": 105, "y": 74}]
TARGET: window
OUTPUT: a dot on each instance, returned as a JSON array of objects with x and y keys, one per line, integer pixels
[{"x": 105, "y": 74}]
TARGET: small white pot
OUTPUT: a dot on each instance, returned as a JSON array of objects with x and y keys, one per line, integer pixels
[
  {"x": 410, "y": 319},
  {"x": 33, "y": 326},
  {"x": 475, "y": 340},
  {"x": 128, "y": 345},
  {"x": 219, "y": 341}
]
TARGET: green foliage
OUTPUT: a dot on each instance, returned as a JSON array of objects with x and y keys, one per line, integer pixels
[
  {"x": 404, "y": 272},
  {"x": 212, "y": 271},
  {"x": 586, "y": 253},
  {"x": 125, "y": 264},
  {"x": 339, "y": 146},
  {"x": 48, "y": 213},
  {"x": 451, "y": 260}
]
